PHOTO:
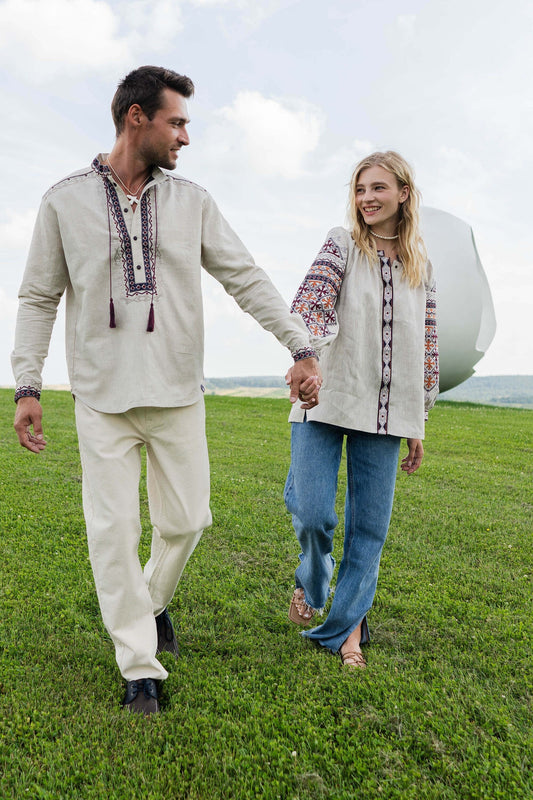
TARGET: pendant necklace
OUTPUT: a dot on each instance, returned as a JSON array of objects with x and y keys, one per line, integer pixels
[{"x": 131, "y": 194}]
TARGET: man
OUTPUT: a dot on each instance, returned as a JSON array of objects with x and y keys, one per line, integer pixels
[{"x": 127, "y": 241}]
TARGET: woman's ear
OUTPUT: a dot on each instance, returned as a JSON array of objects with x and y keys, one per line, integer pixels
[{"x": 404, "y": 194}]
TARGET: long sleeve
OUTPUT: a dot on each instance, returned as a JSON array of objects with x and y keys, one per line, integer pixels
[
  {"x": 317, "y": 294},
  {"x": 43, "y": 284},
  {"x": 226, "y": 259},
  {"x": 431, "y": 355}
]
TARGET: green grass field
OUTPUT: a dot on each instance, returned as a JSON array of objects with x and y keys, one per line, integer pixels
[{"x": 251, "y": 710}]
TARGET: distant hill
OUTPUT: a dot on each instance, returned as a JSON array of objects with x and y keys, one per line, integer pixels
[
  {"x": 254, "y": 386},
  {"x": 498, "y": 390}
]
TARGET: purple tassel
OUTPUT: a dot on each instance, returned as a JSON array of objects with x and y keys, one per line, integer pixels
[
  {"x": 151, "y": 319},
  {"x": 112, "y": 323}
]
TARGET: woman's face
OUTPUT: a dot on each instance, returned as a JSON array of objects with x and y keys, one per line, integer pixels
[{"x": 378, "y": 197}]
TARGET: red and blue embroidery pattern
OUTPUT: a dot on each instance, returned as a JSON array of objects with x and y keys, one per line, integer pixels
[
  {"x": 431, "y": 355},
  {"x": 317, "y": 294},
  {"x": 27, "y": 391}
]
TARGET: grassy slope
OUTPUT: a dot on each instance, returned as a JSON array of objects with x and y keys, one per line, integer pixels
[{"x": 251, "y": 710}]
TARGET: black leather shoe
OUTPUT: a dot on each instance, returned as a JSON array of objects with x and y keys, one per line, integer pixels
[
  {"x": 141, "y": 697},
  {"x": 166, "y": 638}
]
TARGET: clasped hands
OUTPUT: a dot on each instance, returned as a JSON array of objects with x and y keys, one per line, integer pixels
[{"x": 305, "y": 380}]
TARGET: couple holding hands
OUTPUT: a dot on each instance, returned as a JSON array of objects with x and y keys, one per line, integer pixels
[{"x": 126, "y": 240}]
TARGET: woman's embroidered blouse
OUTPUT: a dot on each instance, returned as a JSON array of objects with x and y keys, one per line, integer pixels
[{"x": 377, "y": 340}]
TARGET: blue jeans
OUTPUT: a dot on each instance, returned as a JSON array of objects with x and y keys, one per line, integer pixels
[{"x": 310, "y": 492}]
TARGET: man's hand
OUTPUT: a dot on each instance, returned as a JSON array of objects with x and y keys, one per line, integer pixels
[
  {"x": 29, "y": 414},
  {"x": 305, "y": 380},
  {"x": 413, "y": 459}
]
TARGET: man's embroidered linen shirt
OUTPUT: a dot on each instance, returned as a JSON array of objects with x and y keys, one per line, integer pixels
[{"x": 88, "y": 242}]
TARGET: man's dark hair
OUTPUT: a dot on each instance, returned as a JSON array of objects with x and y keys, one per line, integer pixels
[{"x": 145, "y": 86}]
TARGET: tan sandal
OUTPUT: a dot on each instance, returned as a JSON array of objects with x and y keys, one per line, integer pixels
[
  {"x": 353, "y": 658},
  {"x": 299, "y": 612}
]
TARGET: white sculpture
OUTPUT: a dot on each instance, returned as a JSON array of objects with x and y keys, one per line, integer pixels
[{"x": 465, "y": 312}]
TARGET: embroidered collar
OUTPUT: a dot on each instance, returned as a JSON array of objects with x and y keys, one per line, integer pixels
[{"x": 101, "y": 169}]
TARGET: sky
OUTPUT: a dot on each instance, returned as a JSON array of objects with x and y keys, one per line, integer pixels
[{"x": 290, "y": 94}]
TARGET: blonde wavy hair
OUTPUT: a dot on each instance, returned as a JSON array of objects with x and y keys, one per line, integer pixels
[{"x": 411, "y": 249}]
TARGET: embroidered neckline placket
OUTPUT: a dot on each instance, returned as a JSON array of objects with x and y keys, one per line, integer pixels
[{"x": 149, "y": 234}]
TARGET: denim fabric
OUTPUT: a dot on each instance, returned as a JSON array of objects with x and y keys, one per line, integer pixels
[{"x": 310, "y": 491}]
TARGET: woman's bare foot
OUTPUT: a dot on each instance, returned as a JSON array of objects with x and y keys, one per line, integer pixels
[{"x": 350, "y": 652}]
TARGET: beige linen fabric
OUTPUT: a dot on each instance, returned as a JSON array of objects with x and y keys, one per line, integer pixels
[{"x": 178, "y": 495}]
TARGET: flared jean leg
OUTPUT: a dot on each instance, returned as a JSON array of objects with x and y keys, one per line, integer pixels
[
  {"x": 372, "y": 462},
  {"x": 310, "y": 491}
]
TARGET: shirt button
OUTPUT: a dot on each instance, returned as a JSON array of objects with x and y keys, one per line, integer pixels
[
  {"x": 125, "y": 210},
  {"x": 138, "y": 266},
  {"x": 134, "y": 238}
]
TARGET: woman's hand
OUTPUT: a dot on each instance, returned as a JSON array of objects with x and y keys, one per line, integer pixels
[
  {"x": 308, "y": 389},
  {"x": 413, "y": 459}
]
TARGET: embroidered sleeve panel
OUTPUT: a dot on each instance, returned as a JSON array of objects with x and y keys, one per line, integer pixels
[
  {"x": 431, "y": 355},
  {"x": 316, "y": 297}
]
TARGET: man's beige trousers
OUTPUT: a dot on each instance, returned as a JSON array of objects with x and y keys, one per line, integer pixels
[{"x": 178, "y": 494}]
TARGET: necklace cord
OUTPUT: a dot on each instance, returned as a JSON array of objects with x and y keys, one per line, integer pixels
[{"x": 131, "y": 194}]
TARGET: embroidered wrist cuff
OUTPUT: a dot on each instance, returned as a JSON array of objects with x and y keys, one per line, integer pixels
[
  {"x": 27, "y": 391},
  {"x": 305, "y": 352}
]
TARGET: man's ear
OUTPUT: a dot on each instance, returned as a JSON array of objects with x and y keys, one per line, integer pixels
[{"x": 135, "y": 114}]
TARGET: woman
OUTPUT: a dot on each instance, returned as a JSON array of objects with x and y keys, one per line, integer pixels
[{"x": 369, "y": 302}]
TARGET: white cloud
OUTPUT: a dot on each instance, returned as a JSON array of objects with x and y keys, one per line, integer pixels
[
  {"x": 8, "y": 307},
  {"x": 16, "y": 232},
  {"x": 157, "y": 21},
  {"x": 252, "y": 12},
  {"x": 341, "y": 162},
  {"x": 406, "y": 24},
  {"x": 275, "y": 135},
  {"x": 43, "y": 39}
]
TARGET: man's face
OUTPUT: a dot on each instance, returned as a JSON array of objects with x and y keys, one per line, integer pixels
[{"x": 166, "y": 133}]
